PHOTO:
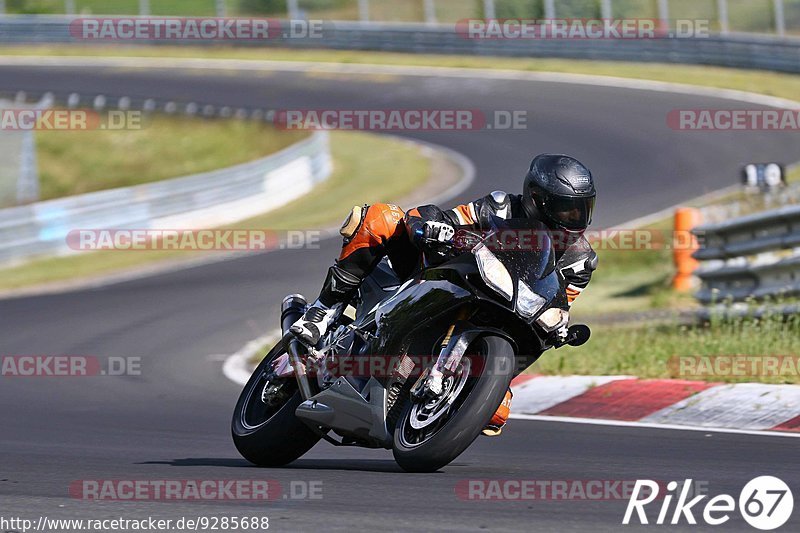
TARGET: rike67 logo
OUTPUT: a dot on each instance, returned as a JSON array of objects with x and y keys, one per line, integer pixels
[{"x": 765, "y": 503}]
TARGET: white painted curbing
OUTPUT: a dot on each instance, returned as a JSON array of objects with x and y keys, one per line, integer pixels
[
  {"x": 753, "y": 406},
  {"x": 237, "y": 367}
]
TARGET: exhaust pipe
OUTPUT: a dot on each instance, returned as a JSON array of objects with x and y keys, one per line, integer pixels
[{"x": 292, "y": 310}]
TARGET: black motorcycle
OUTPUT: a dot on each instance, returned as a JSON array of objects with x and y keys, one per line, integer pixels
[{"x": 490, "y": 300}]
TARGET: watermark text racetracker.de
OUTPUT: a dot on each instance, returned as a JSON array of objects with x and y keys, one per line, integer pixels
[
  {"x": 195, "y": 490},
  {"x": 133, "y": 29},
  {"x": 734, "y": 366},
  {"x": 401, "y": 119},
  {"x": 197, "y": 240},
  {"x": 734, "y": 120},
  {"x": 34, "y": 119},
  {"x": 575, "y": 490},
  {"x": 611, "y": 239},
  {"x": 582, "y": 29},
  {"x": 45, "y": 366}
]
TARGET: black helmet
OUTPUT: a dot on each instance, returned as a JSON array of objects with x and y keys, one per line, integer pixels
[{"x": 559, "y": 190}]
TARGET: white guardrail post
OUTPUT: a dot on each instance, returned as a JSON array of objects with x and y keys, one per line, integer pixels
[
  {"x": 549, "y": 9},
  {"x": 780, "y": 18},
  {"x": 429, "y": 7},
  {"x": 200, "y": 201},
  {"x": 363, "y": 10},
  {"x": 606, "y": 11},
  {"x": 722, "y": 16},
  {"x": 293, "y": 9},
  {"x": 663, "y": 12},
  {"x": 221, "y": 8},
  {"x": 489, "y": 11}
]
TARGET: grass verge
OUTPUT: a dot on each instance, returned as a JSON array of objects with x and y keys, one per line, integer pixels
[
  {"x": 77, "y": 161},
  {"x": 654, "y": 351},
  {"x": 368, "y": 168}
]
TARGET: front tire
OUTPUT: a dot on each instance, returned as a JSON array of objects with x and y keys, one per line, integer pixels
[
  {"x": 474, "y": 406},
  {"x": 270, "y": 435}
]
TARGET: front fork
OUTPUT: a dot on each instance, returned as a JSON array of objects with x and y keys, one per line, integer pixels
[
  {"x": 292, "y": 310},
  {"x": 452, "y": 350}
]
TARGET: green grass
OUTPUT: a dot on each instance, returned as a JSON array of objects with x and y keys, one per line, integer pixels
[
  {"x": 368, "y": 168},
  {"x": 118, "y": 7},
  {"x": 649, "y": 351},
  {"x": 793, "y": 175},
  {"x": 75, "y": 162}
]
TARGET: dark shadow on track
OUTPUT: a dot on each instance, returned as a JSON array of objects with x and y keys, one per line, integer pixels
[
  {"x": 362, "y": 465},
  {"x": 202, "y": 461},
  {"x": 368, "y": 465}
]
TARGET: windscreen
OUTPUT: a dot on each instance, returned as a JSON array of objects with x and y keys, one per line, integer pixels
[{"x": 524, "y": 247}]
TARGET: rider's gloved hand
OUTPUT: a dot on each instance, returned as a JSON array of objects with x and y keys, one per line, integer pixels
[
  {"x": 438, "y": 232},
  {"x": 563, "y": 332}
]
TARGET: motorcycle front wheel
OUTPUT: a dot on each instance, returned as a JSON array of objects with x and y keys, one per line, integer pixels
[{"x": 429, "y": 435}]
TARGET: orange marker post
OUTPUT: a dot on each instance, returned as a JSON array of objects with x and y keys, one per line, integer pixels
[{"x": 684, "y": 245}]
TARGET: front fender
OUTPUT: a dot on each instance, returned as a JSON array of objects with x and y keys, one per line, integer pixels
[{"x": 464, "y": 334}]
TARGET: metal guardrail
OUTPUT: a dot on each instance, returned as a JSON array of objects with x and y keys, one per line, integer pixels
[
  {"x": 193, "y": 201},
  {"x": 731, "y": 50},
  {"x": 742, "y": 257}
]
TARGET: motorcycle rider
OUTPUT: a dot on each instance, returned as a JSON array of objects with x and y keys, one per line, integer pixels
[{"x": 558, "y": 190}]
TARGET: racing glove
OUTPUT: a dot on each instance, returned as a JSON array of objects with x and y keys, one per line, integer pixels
[
  {"x": 438, "y": 232},
  {"x": 563, "y": 332}
]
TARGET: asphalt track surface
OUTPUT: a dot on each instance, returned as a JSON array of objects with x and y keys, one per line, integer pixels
[{"x": 172, "y": 422}]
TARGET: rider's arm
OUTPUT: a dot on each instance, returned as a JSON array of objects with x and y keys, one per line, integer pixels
[
  {"x": 576, "y": 267},
  {"x": 465, "y": 216},
  {"x": 416, "y": 219}
]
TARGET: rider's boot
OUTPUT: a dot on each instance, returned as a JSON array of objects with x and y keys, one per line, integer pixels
[
  {"x": 315, "y": 323},
  {"x": 495, "y": 425},
  {"x": 338, "y": 288}
]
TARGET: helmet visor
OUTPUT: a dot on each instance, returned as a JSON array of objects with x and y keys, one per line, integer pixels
[{"x": 570, "y": 213}]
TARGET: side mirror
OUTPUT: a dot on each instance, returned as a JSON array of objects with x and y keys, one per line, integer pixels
[{"x": 579, "y": 335}]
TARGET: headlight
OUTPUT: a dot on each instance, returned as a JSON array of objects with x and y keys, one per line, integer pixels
[
  {"x": 528, "y": 302},
  {"x": 493, "y": 272},
  {"x": 552, "y": 319}
]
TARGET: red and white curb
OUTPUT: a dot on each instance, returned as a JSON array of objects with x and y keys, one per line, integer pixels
[{"x": 677, "y": 404}]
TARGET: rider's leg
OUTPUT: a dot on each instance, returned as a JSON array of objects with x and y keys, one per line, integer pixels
[{"x": 366, "y": 232}]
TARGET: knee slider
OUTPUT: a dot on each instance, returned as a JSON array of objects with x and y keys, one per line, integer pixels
[{"x": 353, "y": 222}]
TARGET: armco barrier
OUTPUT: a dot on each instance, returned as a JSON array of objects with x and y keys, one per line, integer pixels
[
  {"x": 728, "y": 275},
  {"x": 732, "y": 50},
  {"x": 203, "y": 200}
]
